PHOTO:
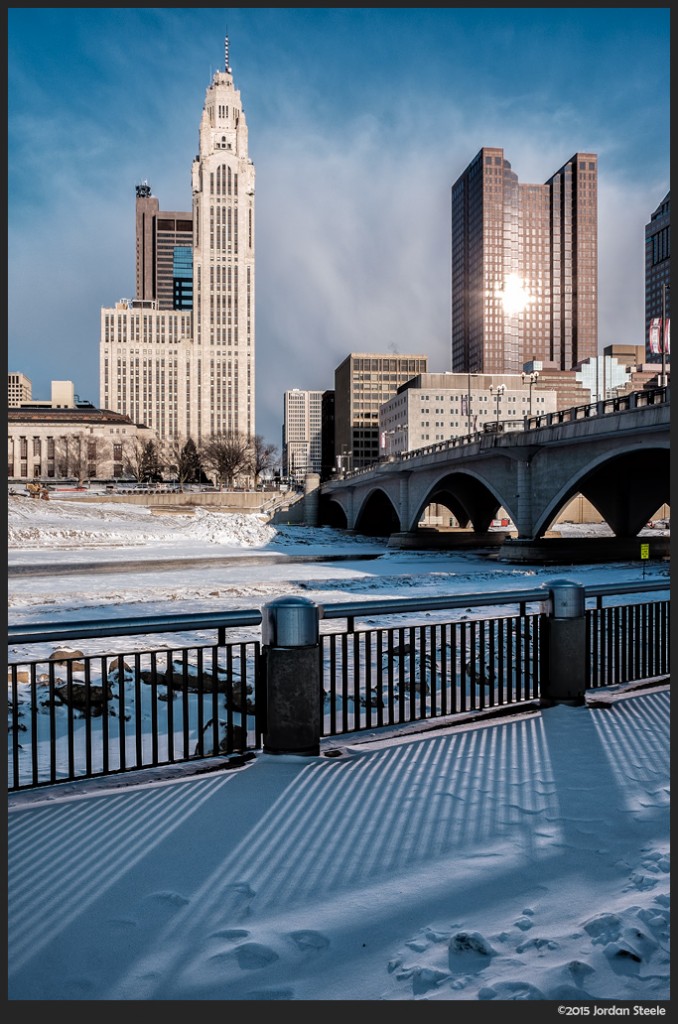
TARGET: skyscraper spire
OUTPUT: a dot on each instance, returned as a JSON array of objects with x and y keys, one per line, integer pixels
[{"x": 227, "y": 66}]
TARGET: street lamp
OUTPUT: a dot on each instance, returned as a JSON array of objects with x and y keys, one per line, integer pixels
[
  {"x": 665, "y": 287},
  {"x": 466, "y": 401},
  {"x": 532, "y": 379},
  {"x": 498, "y": 390},
  {"x": 343, "y": 460}
]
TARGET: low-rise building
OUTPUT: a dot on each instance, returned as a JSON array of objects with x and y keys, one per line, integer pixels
[
  {"x": 435, "y": 407},
  {"x": 620, "y": 370},
  {"x": 64, "y": 438}
]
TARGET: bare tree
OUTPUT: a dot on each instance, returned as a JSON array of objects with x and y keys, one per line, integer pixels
[
  {"x": 144, "y": 460},
  {"x": 227, "y": 455},
  {"x": 264, "y": 456},
  {"x": 183, "y": 460},
  {"x": 72, "y": 456}
]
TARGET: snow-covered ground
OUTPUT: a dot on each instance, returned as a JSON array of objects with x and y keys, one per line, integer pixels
[
  {"x": 526, "y": 859},
  {"x": 234, "y": 561}
]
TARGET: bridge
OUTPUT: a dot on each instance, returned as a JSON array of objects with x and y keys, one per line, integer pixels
[{"x": 614, "y": 452}]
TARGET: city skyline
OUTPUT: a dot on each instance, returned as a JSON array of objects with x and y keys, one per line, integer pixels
[{"x": 360, "y": 120}]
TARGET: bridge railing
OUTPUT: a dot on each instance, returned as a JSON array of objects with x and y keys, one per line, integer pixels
[
  {"x": 617, "y": 403},
  {"x": 99, "y": 708}
]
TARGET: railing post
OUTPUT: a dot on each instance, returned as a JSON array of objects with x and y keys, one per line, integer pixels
[
  {"x": 565, "y": 676},
  {"x": 291, "y": 673}
]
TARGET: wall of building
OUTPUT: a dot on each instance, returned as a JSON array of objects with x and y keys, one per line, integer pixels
[
  {"x": 19, "y": 389},
  {"x": 85, "y": 447},
  {"x": 302, "y": 433},
  {"x": 191, "y": 373},
  {"x": 657, "y": 270}
]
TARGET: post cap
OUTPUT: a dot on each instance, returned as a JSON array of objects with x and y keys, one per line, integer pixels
[
  {"x": 568, "y": 598},
  {"x": 290, "y": 622}
]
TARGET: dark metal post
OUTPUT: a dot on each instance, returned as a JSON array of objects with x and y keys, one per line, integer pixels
[
  {"x": 663, "y": 336},
  {"x": 290, "y": 650},
  {"x": 565, "y": 676}
]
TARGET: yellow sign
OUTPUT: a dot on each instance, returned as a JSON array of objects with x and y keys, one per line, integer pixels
[{"x": 644, "y": 550}]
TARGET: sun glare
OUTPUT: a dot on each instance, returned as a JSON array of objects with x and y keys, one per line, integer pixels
[{"x": 514, "y": 295}]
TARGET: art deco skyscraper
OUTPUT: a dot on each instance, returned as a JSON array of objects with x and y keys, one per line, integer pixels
[
  {"x": 179, "y": 357},
  {"x": 223, "y": 262},
  {"x": 524, "y": 266}
]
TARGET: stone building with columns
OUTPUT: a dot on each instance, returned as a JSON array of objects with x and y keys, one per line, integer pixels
[{"x": 49, "y": 444}]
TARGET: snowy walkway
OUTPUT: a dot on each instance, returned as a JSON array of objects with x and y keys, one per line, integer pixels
[{"x": 526, "y": 859}]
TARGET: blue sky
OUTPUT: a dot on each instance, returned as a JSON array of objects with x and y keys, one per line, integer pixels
[{"x": 360, "y": 120}]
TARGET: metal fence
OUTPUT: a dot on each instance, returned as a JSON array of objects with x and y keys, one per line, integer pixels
[
  {"x": 626, "y": 643},
  {"x": 78, "y": 716},
  {"x": 380, "y": 677},
  {"x": 75, "y": 714}
]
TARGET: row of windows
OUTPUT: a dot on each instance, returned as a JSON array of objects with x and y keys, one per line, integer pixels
[{"x": 661, "y": 245}]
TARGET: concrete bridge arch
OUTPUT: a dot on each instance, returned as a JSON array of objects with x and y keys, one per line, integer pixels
[
  {"x": 626, "y": 486},
  {"x": 378, "y": 515},
  {"x": 472, "y": 497}
]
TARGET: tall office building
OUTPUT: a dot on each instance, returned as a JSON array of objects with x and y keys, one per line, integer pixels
[
  {"x": 179, "y": 357},
  {"x": 362, "y": 383},
  {"x": 302, "y": 449},
  {"x": 657, "y": 274},
  {"x": 164, "y": 272},
  {"x": 524, "y": 266}
]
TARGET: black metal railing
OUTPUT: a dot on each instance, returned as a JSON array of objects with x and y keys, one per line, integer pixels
[
  {"x": 378, "y": 677},
  {"x": 75, "y": 714},
  {"x": 80, "y": 716},
  {"x": 627, "y": 643}
]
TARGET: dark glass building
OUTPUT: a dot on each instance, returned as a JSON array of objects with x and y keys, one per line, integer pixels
[
  {"x": 657, "y": 270},
  {"x": 524, "y": 266}
]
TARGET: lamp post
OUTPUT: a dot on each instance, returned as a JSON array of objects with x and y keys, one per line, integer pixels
[
  {"x": 344, "y": 460},
  {"x": 466, "y": 399},
  {"x": 532, "y": 379},
  {"x": 663, "y": 336},
  {"x": 498, "y": 390},
  {"x": 468, "y": 405}
]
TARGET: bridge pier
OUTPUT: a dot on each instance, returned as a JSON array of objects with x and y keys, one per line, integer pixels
[
  {"x": 404, "y": 500},
  {"x": 451, "y": 540},
  {"x": 574, "y": 550}
]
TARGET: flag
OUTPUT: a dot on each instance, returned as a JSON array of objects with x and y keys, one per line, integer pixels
[
  {"x": 667, "y": 335},
  {"x": 655, "y": 346}
]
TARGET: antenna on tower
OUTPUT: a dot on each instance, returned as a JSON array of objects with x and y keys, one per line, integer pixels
[{"x": 227, "y": 66}]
